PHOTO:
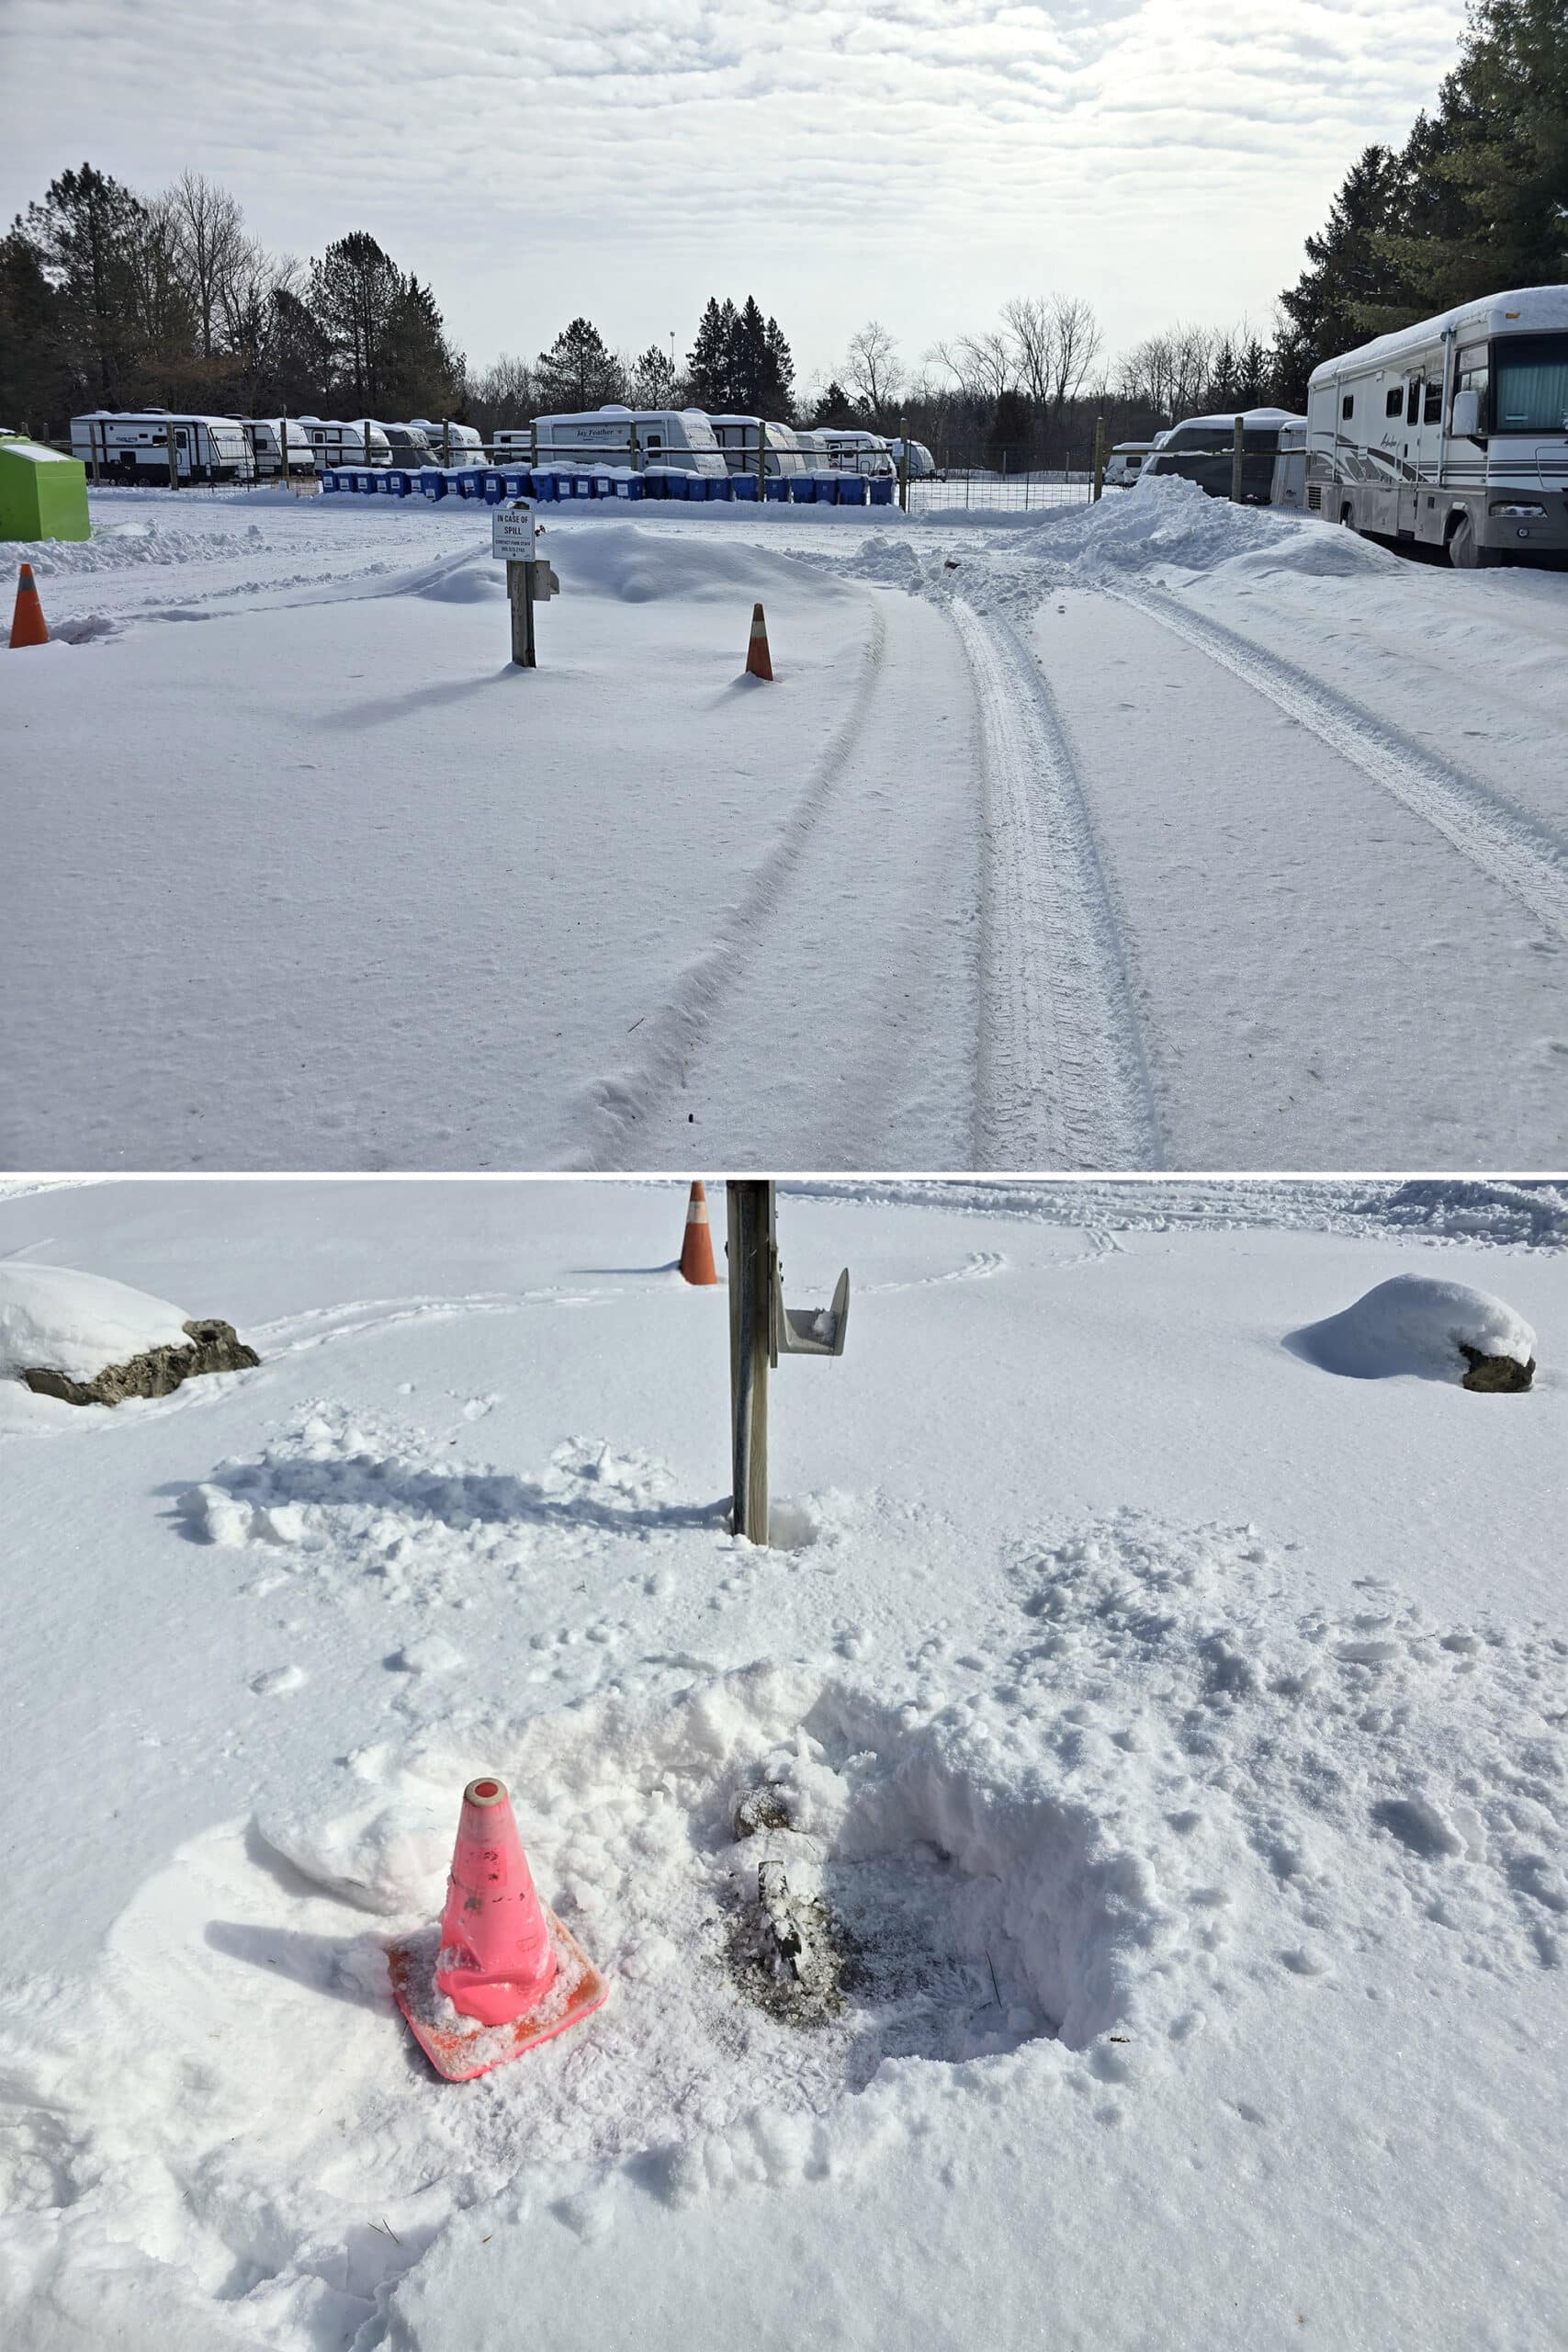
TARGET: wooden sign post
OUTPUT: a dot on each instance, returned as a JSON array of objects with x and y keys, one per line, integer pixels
[
  {"x": 529, "y": 579},
  {"x": 1238, "y": 436},
  {"x": 1099, "y": 457},
  {"x": 762, "y": 1328}
]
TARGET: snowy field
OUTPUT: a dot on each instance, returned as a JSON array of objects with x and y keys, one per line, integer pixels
[
  {"x": 1150, "y": 834},
  {"x": 1179, "y": 1725}
]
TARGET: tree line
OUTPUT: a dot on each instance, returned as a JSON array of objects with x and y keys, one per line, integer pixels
[{"x": 108, "y": 299}]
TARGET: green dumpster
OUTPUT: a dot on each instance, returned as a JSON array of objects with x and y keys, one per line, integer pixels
[{"x": 42, "y": 494}]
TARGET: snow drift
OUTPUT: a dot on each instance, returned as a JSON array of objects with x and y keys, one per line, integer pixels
[
  {"x": 76, "y": 1323},
  {"x": 1416, "y": 1324}
]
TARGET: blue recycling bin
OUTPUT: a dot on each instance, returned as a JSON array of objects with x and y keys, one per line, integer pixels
[
  {"x": 518, "y": 481},
  {"x": 720, "y": 486},
  {"x": 432, "y": 482},
  {"x": 743, "y": 485},
  {"x": 881, "y": 489},
  {"x": 852, "y": 490},
  {"x": 824, "y": 490},
  {"x": 329, "y": 479},
  {"x": 546, "y": 487},
  {"x": 395, "y": 482},
  {"x": 468, "y": 482},
  {"x": 630, "y": 488},
  {"x": 492, "y": 485},
  {"x": 778, "y": 488}
]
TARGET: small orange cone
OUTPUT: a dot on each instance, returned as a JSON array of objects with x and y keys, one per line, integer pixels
[
  {"x": 27, "y": 621},
  {"x": 759, "y": 661},
  {"x": 696, "y": 1251},
  {"x": 501, "y": 1973}
]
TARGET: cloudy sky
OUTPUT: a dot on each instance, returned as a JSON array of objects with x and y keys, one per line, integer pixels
[{"x": 915, "y": 160}]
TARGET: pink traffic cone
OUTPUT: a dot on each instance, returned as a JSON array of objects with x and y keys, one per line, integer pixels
[
  {"x": 508, "y": 1968},
  {"x": 495, "y": 1959}
]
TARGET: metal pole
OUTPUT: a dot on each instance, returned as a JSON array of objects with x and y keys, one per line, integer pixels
[
  {"x": 1099, "y": 457},
  {"x": 749, "y": 1205},
  {"x": 762, "y": 482},
  {"x": 173, "y": 467},
  {"x": 1237, "y": 432},
  {"x": 904, "y": 463},
  {"x": 96, "y": 430}
]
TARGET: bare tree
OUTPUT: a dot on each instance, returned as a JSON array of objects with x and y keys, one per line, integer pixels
[
  {"x": 989, "y": 370},
  {"x": 1075, "y": 340},
  {"x": 872, "y": 367},
  {"x": 209, "y": 230},
  {"x": 1031, "y": 332},
  {"x": 501, "y": 395}
]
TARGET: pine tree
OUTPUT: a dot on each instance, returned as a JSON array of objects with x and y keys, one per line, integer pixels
[
  {"x": 422, "y": 376},
  {"x": 35, "y": 390},
  {"x": 578, "y": 371},
  {"x": 85, "y": 234},
  {"x": 776, "y": 396},
  {"x": 356, "y": 292},
  {"x": 653, "y": 379},
  {"x": 832, "y": 406},
  {"x": 1347, "y": 270},
  {"x": 710, "y": 364}
]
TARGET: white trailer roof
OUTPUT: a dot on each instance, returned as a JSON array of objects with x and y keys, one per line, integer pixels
[{"x": 1540, "y": 310}]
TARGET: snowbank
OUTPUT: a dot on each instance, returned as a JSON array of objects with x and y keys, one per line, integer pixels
[
  {"x": 642, "y": 566},
  {"x": 51, "y": 1318},
  {"x": 1416, "y": 1325}
]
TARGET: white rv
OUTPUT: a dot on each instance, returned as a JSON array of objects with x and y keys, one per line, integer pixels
[
  {"x": 264, "y": 435},
  {"x": 1126, "y": 463},
  {"x": 1453, "y": 433},
  {"x": 363, "y": 442},
  {"x": 1200, "y": 449},
  {"x": 450, "y": 444},
  {"x": 683, "y": 439},
  {"x": 133, "y": 444},
  {"x": 922, "y": 465},
  {"x": 737, "y": 436},
  {"x": 856, "y": 452}
]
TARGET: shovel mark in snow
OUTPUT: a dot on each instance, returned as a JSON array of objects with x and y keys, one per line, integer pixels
[
  {"x": 1062, "y": 1078},
  {"x": 1503, "y": 841}
]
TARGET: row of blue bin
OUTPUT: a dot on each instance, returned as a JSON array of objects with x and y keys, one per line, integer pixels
[{"x": 493, "y": 483}]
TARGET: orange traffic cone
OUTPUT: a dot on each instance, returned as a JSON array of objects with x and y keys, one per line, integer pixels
[
  {"x": 759, "y": 661},
  {"x": 501, "y": 1973},
  {"x": 696, "y": 1251},
  {"x": 27, "y": 621}
]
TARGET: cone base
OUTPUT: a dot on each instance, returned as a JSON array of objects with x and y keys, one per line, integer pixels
[{"x": 461, "y": 2053}]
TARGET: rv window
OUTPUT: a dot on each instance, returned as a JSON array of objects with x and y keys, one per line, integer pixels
[
  {"x": 656, "y": 440},
  {"x": 1532, "y": 384},
  {"x": 1394, "y": 402},
  {"x": 1413, "y": 401},
  {"x": 1347, "y": 405},
  {"x": 1432, "y": 414},
  {"x": 1473, "y": 375}
]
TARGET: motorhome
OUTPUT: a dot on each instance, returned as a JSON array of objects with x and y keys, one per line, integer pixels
[
  {"x": 1201, "y": 449},
  {"x": 133, "y": 444},
  {"x": 856, "y": 452},
  {"x": 264, "y": 435},
  {"x": 450, "y": 444},
  {"x": 681, "y": 439},
  {"x": 737, "y": 436},
  {"x": 362, "y": 442},
  {"x": 1452, "y": 434}
]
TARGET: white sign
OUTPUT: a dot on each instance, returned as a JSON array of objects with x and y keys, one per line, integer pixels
[{"x": 512, "y": 533}]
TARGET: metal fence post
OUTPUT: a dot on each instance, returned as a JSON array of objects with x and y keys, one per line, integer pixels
[
  {"x": 1238, "y": 436},
  {"x": 904, "y": 463},
  {"x": 749, "y": 1206},
  {"x": 94, "y": 431},
  {"x": 1099, "y": 457},
  {"x": 761, "y": 480}
]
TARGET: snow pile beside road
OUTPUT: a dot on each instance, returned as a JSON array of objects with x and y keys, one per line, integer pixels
[
  {"x": 52, "y": 1318},
  {"x": 642, "y": 567},
  {"x": 119, "y": 547},
  {"x": 1414, "y": 1324}
]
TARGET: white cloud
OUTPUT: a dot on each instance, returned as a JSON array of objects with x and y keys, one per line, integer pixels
[{"x": 917, "y": 159}]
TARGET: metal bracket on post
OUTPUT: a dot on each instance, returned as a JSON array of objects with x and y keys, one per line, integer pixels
[{"x": 762, "y": 1328}]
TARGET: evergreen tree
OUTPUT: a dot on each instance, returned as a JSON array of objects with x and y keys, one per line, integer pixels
[
  {"x": 35, "y": 390},
  {"x": 578, "y": 371},
  {"x": 653, "y": 379},
  {"x": 710, "y": 364},
  {"x": 1347, "y": 270},
  {"x": 776, "y": 396},
  {"x": 86, "y": 235},
  {"x": 424, "y": 376},
  {"x": 1010, "y": 441},
  {"x": 832, "y": 406},
  {"x": 355, "y": 297}
]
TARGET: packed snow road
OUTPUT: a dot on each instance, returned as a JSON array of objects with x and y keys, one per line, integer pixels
[
  {"x": 1147, "y": 834},
  {"x": 1177, "y": 1722}
]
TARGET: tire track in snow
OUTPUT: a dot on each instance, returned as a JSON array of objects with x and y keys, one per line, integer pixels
[
  {"x": 675, "y": 1033},
  {"x": 1505, "y": 844},
  {"x": 1062, "y": 1080}
]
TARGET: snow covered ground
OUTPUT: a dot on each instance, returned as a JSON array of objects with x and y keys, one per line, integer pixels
[
  {"x": 1155, "y": 833},
  {"x": 1178, "y": 1726}
]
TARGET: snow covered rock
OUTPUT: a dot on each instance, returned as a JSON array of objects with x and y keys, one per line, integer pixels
[
  {"x": 91, "y": 1342},
  {"x": 1437, "y": 1331}
]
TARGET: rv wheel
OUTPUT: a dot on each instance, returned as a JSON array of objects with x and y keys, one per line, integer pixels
[{"x": 1465, "y": 551}]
